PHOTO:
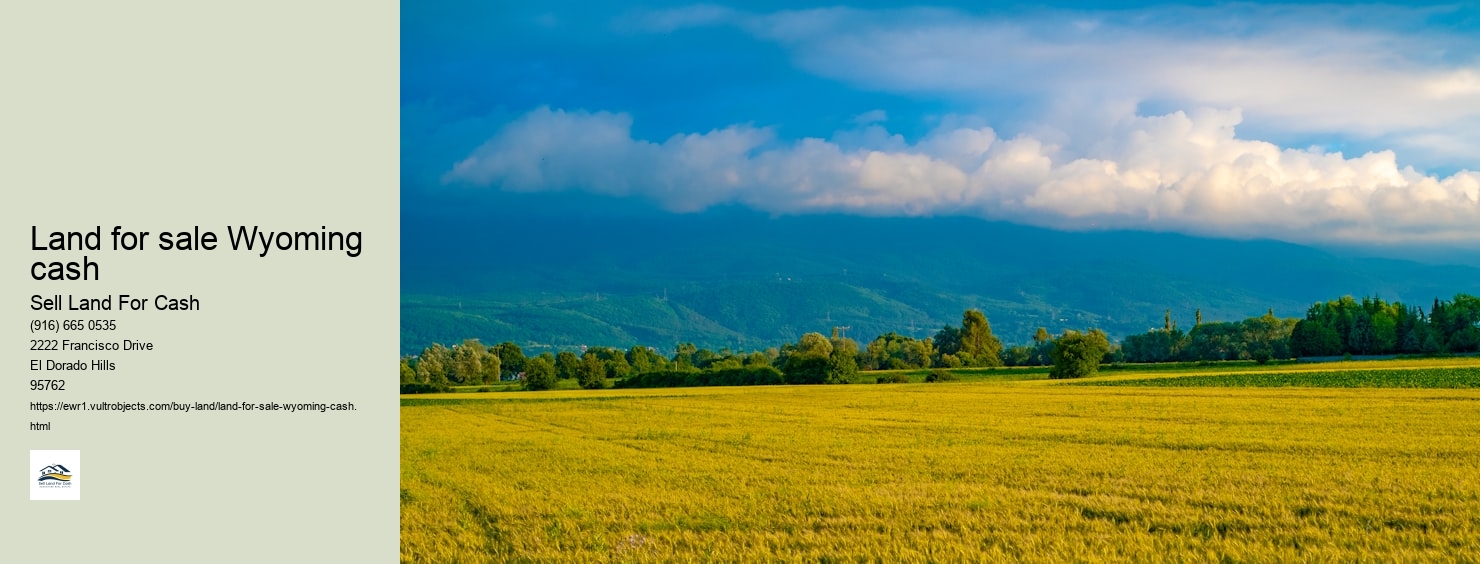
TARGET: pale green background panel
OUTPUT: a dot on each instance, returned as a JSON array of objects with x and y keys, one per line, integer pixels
[{"x": 167, "y": 115}]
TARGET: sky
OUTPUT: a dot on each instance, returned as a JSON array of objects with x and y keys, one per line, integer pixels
[{"x": 1338, "y": 125}]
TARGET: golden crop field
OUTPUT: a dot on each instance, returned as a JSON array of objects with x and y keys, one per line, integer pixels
[{"x": 962, "y": 471}]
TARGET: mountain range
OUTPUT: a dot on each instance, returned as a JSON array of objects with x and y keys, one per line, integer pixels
[{"x": 743, "y": 280}]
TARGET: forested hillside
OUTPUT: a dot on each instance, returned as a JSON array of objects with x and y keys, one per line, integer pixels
[{"x": 746, "y": 281}]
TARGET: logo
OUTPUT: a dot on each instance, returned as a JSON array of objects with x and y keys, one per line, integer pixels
[{"x": 55, "y": 473}]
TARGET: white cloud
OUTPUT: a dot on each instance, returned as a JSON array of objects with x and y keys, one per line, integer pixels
[
  {"x": 1181, "y": 172},
  {"x": 557, "y": 150},
  {"x": 1299, "y": 69}
]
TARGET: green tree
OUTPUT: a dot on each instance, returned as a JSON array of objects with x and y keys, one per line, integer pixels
[
  {"x": 757, "y": 358},
  {"x": 1217, "y": 341},
  {"x": 1020, "y": 355},
  {"x": 1411, "y": 342},
  {"x": 1384, "y": 332},
  {"x": 1076, "y": 355},
  {"x": 1041, "y": 336},
  {"x": 565, "y": 365},
  {"x": 431, "y": 366},
  {"x": 977, "y": 340},
  {"x": 643, "y": 359},
  {"x": 1311, "y": 338},
  {"x": 1266, "y": 335},
  {"x": 492, "y": 366},
  {"x": 683, "y": 357},
  {"x": 511, "y": 357},
  {"x": 703, "y": 358},
  {"x": 1431, "y": 344},
  {"x": 1362, "y": 338},
  {"x": 815, "y": 344},
  {"x": 892, "y": 351},
  {"x": 408, "y": 374},
  {"x": 539, "y": 374},
  {"x": 467, "y": 362},
  {"x": 805, "y": 369},
  {"x": 947, "y": 341},
  {"x": 591, "y": 373},
  {"x": 842, "y": 362},
  {"x": 1156, "y": 345},
  {"x": 807, "y": 361},
  {"x": 919, "y": 352},
  {"x": 1465, "y": 340},
  {"x": 1464, "y": 313},
  {"x": 613, "y": 360},
  {"x": 725, "y": 362}
]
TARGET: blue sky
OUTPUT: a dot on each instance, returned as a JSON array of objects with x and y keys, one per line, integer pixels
[{"x": 1321, "y": 124}]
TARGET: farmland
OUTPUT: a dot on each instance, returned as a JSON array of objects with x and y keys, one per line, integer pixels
[
  {"x": 1368, "y": 378},
  {"x": 1001, "y": 468}
]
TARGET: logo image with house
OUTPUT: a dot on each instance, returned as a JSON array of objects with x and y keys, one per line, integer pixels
[{"x": 55, "y": 473}]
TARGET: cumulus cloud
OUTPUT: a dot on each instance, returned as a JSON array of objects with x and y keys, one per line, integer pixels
[
  {"x": 1181, "y": 171},
  {"x": 1300, "y": 69}
]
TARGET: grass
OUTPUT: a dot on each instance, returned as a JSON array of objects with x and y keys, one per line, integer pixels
[
  {"x": 998, "y": 374},
  {"x": 509, "y": 386},
  {"x": 1446, "y": 377},
  {"x": 1110, "y": 377},
  {"x": 965, "y": 471}
]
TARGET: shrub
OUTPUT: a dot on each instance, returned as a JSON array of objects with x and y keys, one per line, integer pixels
[
  {"x": 539, "y": 374},
  {"x": 760, "y": 375},
  {"x": 1076, "y": 355},
  {"x": 806, "y": 369},
  {"x": 895, "y": 378},
  {"x": 842, "y": 367},
  {"x": 939, "y": 375},
  {"x": 418, "y": 388}
]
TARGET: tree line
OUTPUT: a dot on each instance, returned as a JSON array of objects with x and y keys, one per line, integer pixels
[
  {"x": 1257, "y": 338},
  {"x": 1374, "y": 326},
  {"x": 812, "y": 359},
  {"x": 1342, "y": 326}
]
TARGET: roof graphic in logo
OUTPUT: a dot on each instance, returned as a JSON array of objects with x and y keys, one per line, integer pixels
[{"x": 55, "y": 473}]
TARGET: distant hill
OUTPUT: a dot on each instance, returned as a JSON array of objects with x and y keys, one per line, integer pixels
[{"x": 744, "y": 280}]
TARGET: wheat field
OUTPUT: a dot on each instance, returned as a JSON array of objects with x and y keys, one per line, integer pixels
[{"x": 963, "y": 471}]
